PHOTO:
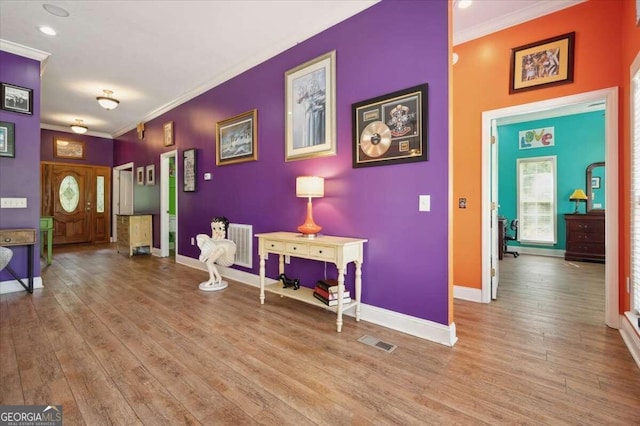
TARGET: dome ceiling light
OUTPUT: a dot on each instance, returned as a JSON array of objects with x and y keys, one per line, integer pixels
[
  {"x": 107, "y": 101},
  {"x": 78, "y": 127}
]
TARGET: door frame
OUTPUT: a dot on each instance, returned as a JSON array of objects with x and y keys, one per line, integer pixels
[
  {"x": 115, "y": 189},
  {"x": 164, "y": 201},
  {"x": 610, "y": 97}
]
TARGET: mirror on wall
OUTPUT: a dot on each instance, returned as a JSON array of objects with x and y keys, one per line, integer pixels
[{"x": 595, "y": 183}]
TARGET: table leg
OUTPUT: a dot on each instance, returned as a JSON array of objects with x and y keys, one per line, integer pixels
[
  {"x": 49, "y": 246},
  {"x": 262, "y": 272},
  {"x": 340, "y": 296},
  {"x": 358, "y": 288},
  {"x": 30, "y": 267}
]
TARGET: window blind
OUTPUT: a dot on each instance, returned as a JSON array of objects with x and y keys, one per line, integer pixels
[
  {"x": 635, "y": 194},
  {"x": 536, "y": 199}
]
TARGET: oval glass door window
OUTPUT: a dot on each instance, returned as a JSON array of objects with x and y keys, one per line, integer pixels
[{"x": 69, "y": 194}]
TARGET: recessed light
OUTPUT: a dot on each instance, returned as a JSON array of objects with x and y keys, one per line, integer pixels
[
  {"x": 55, "y": 10},
  {"x": 47, "y": 30}
]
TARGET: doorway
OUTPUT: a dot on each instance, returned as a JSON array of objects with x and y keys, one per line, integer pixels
[
  {"x": 122, "y": 195},
  {"x": 169, "y": 183},
  {"x": 489, "y": 176},
  {"x": 78, "y": 199}
]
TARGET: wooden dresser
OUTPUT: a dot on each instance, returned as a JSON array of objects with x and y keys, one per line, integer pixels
[
  {"x": 134, "y": 231},
  {"x": 585, "y": 237}
]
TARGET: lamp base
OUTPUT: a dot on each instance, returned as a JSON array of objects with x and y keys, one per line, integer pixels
[{"x": 309, "y": 227}]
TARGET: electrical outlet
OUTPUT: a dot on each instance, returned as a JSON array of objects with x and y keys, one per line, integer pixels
[
  {"x": 193, "y": 241},
  {"x": 287, "y": 259}
]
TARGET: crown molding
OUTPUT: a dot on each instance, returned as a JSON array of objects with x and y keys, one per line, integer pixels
[
  {"x": 64, "y": 129},
  {"x": 540, "y": 8},
  {"x": 20, "y": 50}
]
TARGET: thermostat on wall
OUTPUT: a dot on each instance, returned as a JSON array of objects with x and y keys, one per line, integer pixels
[{"x": 207, "y": 176}]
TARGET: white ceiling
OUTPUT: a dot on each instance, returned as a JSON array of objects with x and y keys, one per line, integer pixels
[{"x": 155, "y": 55}]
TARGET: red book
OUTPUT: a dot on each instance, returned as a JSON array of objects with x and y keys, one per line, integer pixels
[{"x": 331, "y": 294}]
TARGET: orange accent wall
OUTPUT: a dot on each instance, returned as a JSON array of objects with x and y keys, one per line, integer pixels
[{"x": 604, "y": 41}]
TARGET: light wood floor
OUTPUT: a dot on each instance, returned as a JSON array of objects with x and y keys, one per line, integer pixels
[{"x": 132, "y": 341}]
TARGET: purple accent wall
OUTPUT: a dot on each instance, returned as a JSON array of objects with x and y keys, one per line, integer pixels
[
  {"x": 20, "y": 176},
  {"x": 391, "y": 46},
  {"x": 98, "y": 151}
]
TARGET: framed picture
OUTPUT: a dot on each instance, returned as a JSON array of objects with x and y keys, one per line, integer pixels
[
  {"x": 140, "y": 175},
  {"x": 237, "y": 139},
  {"x": 391, "y": 129},
  {"x": 7, "y": 139},
  {"x": 151, "y": 174},
  {"x": 167, "y": 129},
  {"x": 310, "y": 114},
  {"x": 595, "y": 182},
  {"x": 189, "y": 170},
  {"x": 65, "y": 148},
  {"x": 542, "y": 64},
  {"x": 16, "y": 98}
]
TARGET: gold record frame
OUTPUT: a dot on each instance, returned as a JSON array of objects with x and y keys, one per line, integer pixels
[{"x": 391, "y": 129}]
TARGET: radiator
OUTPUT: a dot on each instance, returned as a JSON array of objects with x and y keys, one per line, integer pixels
[{"x": 242, "y": 235}]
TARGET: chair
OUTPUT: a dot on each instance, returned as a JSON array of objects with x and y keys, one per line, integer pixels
[{"x": 514, "y": 237}]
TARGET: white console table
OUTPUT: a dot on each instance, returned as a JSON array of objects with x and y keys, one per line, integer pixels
[{"x": 337, "y": 250}]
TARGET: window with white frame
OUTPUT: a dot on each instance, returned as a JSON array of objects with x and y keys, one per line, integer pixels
[
  {"x": 537, "y": 200},
  {"x": 635, "y": 187}
]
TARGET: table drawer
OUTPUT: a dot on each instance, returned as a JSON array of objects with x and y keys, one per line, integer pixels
[
  {"x": 12, "y": 237},
  {"x": 297, "y": 249},
  {"x": 328, "y": 253},
  {"x": 271, "y": 245}
]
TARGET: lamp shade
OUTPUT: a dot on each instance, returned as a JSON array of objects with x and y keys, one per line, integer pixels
[
  {"x": 309, "y": 186},
  {"x": 578, "y": 194}
]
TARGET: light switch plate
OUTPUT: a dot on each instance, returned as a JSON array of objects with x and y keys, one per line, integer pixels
[
  {"x": 13, "y": 203},
  {"x": 207, "y": 176},
  {"x": 424, "y": 203}
]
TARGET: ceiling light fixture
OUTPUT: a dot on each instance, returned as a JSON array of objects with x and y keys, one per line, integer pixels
[
  {"x": 463, "y": 4},
  {"x": 55, "y": 10},
  {"x": 47, "y": 30},
  {"x": 78, "y": 127},
  {"x": 107, "y": 101}
]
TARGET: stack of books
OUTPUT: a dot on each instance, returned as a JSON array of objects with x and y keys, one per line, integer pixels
[{"x": 326, "y": 291}]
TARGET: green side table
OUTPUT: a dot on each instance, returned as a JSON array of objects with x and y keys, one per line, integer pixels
[{"x": 46, "y": 225}]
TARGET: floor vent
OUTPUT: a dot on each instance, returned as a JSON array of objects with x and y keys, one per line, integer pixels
[
  {"x": 242, "y": 235},
  {"x": 376, "y": 343}
]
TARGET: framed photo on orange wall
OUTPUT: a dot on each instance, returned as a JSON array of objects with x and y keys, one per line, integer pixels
[{"x": 542, "y": 64}]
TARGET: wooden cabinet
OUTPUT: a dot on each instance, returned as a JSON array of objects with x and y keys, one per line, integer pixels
[
  {"x": 585, "y": 237},
  {"x": 134, "y": 231}
]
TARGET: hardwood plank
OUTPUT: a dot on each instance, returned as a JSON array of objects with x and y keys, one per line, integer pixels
[{"x": 135, "y": 338}]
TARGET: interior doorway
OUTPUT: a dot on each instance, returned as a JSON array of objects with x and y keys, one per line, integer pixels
[
  {"x": 122, "y": 195},
  {"x": 489, "y": 177},
  {"x": 169, "y": 184}
]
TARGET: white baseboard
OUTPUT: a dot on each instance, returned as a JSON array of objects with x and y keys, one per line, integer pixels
[
  {"x": 631, "y": 335},
  {"x": 467, "y": 293},
  {"x": 428, "y": 330},
  {"x": 13, "y": 286}
]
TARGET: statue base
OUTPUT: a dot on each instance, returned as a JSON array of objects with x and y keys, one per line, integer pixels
[{"x": 207, "y": 286}]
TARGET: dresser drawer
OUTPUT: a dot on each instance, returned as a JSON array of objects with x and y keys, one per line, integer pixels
[
  {"x": 274, "y": 246},
  {"x": 297, "y": 249},
  {"x": 585, "y": 237},
  {"x": 12, "y": 237},
  {"x": 321, "y": 252}
]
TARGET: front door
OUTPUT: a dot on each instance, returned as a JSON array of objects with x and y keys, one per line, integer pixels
[{"x": 77, "y": 199}]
